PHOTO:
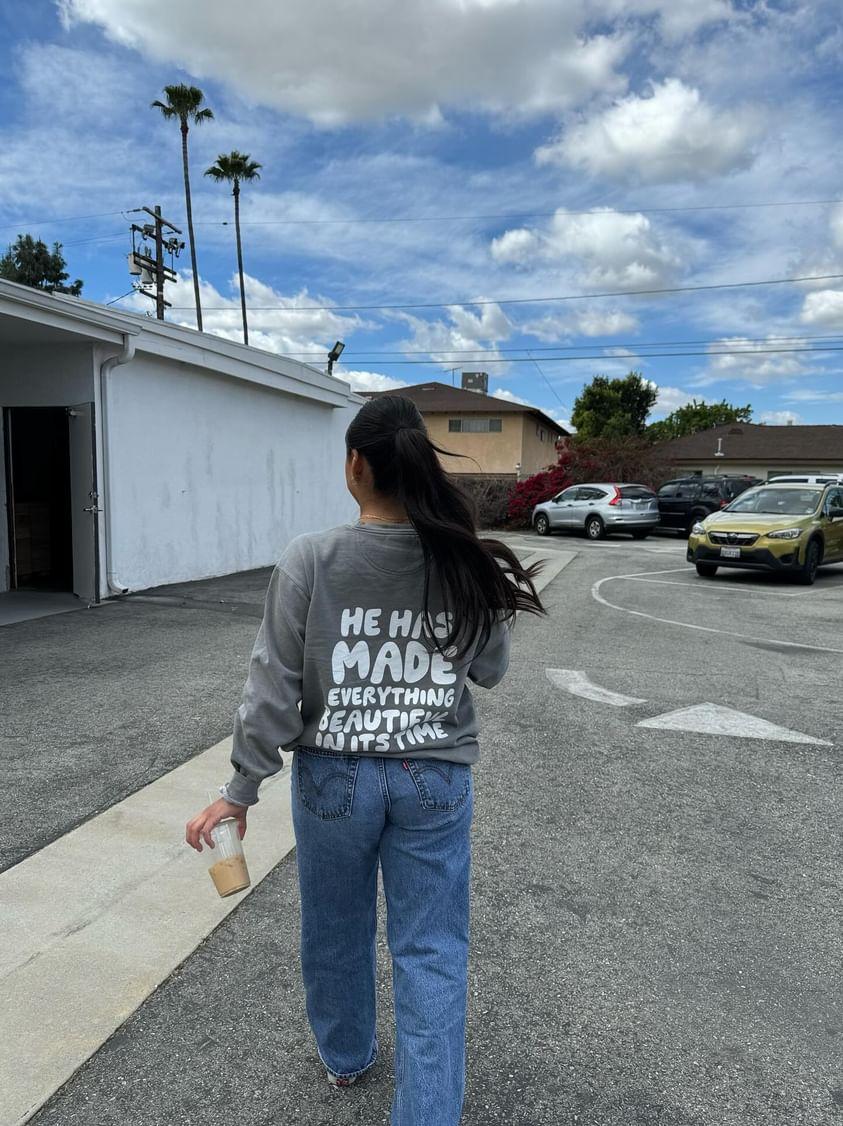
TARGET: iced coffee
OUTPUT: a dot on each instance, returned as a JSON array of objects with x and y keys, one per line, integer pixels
[
  {"x": 230, "y": 874},
  {"x": 226, "y": 862}
]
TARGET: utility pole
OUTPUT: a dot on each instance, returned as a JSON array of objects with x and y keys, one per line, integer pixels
[
  {"x": 159, "y": 264},
  {"x": 153, "y": 271}
]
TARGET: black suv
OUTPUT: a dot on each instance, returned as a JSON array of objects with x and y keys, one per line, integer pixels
[{"x": 685, "y": 500}]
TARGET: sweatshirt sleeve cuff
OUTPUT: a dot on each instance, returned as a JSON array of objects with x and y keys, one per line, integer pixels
[{"x": 241, "y": 790}]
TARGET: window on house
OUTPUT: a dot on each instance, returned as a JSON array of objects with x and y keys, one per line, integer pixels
[{"x": 474, "y": 425}]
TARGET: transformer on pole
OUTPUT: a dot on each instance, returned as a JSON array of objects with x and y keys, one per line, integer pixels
[{"x": 147, "y": 263}]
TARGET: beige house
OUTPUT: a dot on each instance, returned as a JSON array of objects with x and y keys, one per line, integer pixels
[
  {"x": 758, "y": 450},
  {"x": 497, "y": 438}
]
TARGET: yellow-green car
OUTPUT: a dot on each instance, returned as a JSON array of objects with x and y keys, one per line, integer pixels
[{"x": 776, "y": 527}]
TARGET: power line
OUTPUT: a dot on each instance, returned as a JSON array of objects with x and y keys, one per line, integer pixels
[
  {"x": 632, "y": 357},
  {"x": 523, "y": 300},
  {"x": 547, "y": 381},
  {"x": 518, "y": 214},
  {"x": 477, "y": 354},
  {"x": 120, "y": 298},
  {"x": 95, "y": 238},
  {"x": 448, "y": 218},
  {"x": 65, "y": 219}
]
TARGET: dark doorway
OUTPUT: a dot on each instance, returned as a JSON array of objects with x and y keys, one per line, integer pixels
[{"x": 38, "y": 498}]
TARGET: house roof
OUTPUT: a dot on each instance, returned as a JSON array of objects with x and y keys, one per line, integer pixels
[
  {"x": 746, "y": 441},
  {"x": 29, "y": 315},
  {"x": 440, "y": 398}
]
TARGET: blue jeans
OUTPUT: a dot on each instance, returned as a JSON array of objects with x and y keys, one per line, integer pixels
[{"x": 414, "y": 816}]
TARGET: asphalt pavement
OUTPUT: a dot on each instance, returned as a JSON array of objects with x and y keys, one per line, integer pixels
[{"x": 655, "y": 930}]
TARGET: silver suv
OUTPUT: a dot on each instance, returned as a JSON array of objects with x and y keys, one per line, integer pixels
[{"x": 599, "y": 510}]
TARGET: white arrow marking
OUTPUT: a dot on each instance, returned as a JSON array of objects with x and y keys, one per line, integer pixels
[
  {"x": 714, "y": 719},
  {"x": 578, "y": 684}
]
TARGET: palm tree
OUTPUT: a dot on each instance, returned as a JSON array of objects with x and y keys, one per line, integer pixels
[
  {"x": 236, "y": 167},
  {"x": 183, "y": 102}
]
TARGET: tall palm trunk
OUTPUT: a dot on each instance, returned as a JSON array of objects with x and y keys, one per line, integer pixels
[
  {"x": 236, "y": 193},
  {"x": 189, "y": 208}
]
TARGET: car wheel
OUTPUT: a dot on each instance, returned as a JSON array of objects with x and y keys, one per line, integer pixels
[
  {"x": 707, "y": 570},
  {"x": 542, "y": 525},
  {"x": 808, "y": 571},
  {"x": 640, "y": 535},
  {"x": 594, "y": 528}
]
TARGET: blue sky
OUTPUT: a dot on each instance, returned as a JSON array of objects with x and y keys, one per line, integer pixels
[{"x": 459, "y": 151}]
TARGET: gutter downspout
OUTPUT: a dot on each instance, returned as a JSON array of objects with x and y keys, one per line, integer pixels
[{"x": 113, "y": 584}]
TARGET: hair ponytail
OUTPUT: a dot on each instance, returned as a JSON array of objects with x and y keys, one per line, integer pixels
[{"x": 481, "y": 580}]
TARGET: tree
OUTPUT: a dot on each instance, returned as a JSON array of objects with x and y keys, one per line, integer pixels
[
  {"x": 613, "y": 408},
  {"x": 526, "y": 494},
  {"x": 633, "y": 459},
  {"x": 31, "y": 262},
  {"x": 696, "y": 416},
  {"x": 183, "y": 102},
  {"x": 236, "y": 167}
]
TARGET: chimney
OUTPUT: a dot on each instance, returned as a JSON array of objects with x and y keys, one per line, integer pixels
[
  {"x": 475, "y": 381},
  {"x": 790, "y": 422}
]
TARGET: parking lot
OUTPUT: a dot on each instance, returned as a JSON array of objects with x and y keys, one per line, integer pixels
[{"x": 656, "y": 858}]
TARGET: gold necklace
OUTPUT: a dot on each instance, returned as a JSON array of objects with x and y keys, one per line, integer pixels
[{"x": 383, "y": 519}]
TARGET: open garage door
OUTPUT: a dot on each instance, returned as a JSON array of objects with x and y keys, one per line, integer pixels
[{"x": 83, "y": 501}]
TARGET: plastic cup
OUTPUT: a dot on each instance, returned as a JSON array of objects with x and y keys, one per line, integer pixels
[{"x": 226, "y": 860}]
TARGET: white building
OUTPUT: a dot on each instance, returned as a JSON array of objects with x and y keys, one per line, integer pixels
[{"x": 138, "y": 453}]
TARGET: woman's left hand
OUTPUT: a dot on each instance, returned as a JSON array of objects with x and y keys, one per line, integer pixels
[{"x": 199, "y": 827}]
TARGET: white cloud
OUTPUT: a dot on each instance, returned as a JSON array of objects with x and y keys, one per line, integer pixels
[
  {"x": 823, "y": 307},
  {"x": 565, "y": 423},
  {"x": 580, "y": 322},
  {"x": 779, "y": 418},
  {"x": 596, "y": 322},
  {"x": 336, "y": 62},
  {"x": 507, "y": 396},
  {"x": 51, "y": 75},
  {"x": 305, "y": 335},
  {"x": 751, "y": 362},
  {"x": 466, "y": 331},
  {"x": 677, "y": 18},
  {"x": 611, "y": 250},
  {"x": 836, "y": 223},
  {"x": 812, "y": 395},
  {"x": 518, "y": 246},
  {"x": 671, "y": 399},
  {"x": 368, "y": 380},
  {"x": 669, "y": 135}
]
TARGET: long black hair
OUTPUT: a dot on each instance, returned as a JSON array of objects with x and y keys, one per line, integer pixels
[{"x": 480, "y": 580}]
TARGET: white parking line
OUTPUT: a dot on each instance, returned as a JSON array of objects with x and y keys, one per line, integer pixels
[
  {"x": 706, "y": 589},
  {"x": 576, "y": 682},
  {"x": 598, "y": 597}
]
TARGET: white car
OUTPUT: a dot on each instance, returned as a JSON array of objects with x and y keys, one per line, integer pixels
[{"x": 808, "y": 479}]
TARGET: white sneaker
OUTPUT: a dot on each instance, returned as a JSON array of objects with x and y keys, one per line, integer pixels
[{"x": 340, "y": 1080}]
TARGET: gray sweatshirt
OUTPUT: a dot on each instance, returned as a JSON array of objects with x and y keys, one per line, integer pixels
[{"x": 342, "y": 660}]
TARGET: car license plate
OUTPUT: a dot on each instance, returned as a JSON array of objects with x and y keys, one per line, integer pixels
[{"x": 730, "y": 553}]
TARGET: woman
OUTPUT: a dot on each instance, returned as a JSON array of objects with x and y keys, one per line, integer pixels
[{"x": 369, "y": 634}]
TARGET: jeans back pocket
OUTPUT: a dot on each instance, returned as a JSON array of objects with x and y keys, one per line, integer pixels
[
  {"x": 441, "y": 784},
  {"x": 325, "y": 781}
]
